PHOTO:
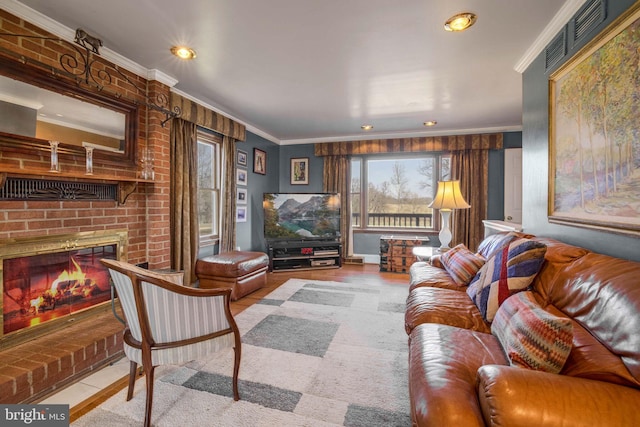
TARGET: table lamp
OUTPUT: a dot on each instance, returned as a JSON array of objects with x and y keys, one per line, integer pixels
[{"x": 448, "y": 197}]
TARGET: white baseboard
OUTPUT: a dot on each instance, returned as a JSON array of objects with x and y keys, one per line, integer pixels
[{"x": 369, "y": 258}]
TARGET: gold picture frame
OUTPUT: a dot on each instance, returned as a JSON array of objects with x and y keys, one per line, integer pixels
[{"x": 594, "y": 147}]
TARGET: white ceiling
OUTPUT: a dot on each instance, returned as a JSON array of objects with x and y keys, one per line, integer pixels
[{"x": 298, "y": 71}]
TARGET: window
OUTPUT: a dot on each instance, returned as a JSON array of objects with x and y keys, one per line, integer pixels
[
  {"x": 208, "y": 187},
  {"x": 394, "y": 192}
]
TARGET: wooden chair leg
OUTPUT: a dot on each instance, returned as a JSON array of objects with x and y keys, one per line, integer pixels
[
  {"x": 149, "y": 403},
  {"x": 236, "y": 369},
  {"x": 133, "y": 366}
]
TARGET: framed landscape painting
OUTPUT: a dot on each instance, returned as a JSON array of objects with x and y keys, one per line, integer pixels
[{"x": 594, "y": 149}]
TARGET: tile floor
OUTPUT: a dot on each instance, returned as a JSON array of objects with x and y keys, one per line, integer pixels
[{"x": 90, "y": 385}]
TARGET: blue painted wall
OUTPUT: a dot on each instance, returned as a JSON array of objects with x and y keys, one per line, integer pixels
[
  {"x": 249, "y": 235},
  {"x": 535, "y": 144}
]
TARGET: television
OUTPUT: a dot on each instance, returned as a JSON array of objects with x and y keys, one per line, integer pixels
[{"x": 301, "y": 216}]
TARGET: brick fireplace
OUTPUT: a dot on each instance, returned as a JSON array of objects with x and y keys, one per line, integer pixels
[{"x": 33, "y": 366}]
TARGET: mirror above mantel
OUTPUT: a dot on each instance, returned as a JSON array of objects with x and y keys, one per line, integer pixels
[
  {"x": 38, "y": 106},
  {"x": 31, "y": 111}
]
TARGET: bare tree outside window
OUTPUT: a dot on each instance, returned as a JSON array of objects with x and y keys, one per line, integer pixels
[{"x": 393, "y": 193}]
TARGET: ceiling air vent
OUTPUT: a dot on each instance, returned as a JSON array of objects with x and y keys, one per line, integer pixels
[
  {"x": 589, "y": 17},
  {"x": 556, "y": 50}
]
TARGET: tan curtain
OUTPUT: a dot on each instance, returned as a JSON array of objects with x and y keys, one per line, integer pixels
[
  {"x": 202, "y": 116},
  {"x": 471, "y": 167},
  {"x": 411, "y": 145},
  {"x": 337, "y": 180},
  {"x": 183, "y": 189},
  {"x": 228, "y": 220}
]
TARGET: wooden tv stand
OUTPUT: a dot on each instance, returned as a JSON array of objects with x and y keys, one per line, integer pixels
[{"x": 288, "y": 255}]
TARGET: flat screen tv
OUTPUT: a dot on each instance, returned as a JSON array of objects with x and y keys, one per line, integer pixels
[{"x": 303, "y": 216}]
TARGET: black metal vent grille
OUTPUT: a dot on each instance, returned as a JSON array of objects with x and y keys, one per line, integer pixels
[
  {"x": 590, "y": 16},
  {"x": 40, "y": 189},
  {"x": 556, "y": 50}
]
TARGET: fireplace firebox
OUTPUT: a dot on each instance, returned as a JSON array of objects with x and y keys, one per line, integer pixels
[{"x": 49, "y": 281}]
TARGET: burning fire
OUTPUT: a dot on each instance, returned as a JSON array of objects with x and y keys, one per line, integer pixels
[{"x": 68, "y": 284}]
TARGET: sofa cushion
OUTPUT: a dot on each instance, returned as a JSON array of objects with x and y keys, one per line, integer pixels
[
  {"x": 443, "y": 306},
  {"x": 423, "y": 274},
  {"x": 461, "y": 264},
  {"x": 443, "y": 361},
  {"x": 601, "y": 293},
  {"x": 532, "y": 337},
  {"x": 508, "y": 271}
]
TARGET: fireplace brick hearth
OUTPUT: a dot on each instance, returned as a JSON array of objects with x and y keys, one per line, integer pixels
[{"x": 34, "y": 369}]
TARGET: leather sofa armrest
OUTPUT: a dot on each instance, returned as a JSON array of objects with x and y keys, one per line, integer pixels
[{"x": 512, "y": 396}]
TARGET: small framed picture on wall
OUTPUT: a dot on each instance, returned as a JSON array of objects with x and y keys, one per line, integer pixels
[
  {"x": 241, "y": 176},
  {"x": 241, "y": 198},
  {"x": 241, "y": 214},
  {"x": 300, "y": 171},
  {"x": 242, "y": 158},
  {"x": 259, "y": 161}
]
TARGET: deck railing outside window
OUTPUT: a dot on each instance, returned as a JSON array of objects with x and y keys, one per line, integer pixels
[{"x": 394, "y": 220}]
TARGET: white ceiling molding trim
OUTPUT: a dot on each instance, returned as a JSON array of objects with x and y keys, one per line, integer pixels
[
  {"x": 400, "y": 135},
  {"x": 161, "y": 77},
  {"x": 551, "y": 30}
]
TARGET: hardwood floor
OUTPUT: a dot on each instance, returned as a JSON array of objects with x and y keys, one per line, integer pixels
[{"x": 367, "y": 273}]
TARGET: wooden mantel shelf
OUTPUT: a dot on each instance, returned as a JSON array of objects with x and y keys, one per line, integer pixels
[{"x": 126, "y": 185}]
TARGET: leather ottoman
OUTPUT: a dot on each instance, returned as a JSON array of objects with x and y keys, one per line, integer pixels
[{"x": 242, "y": 271}]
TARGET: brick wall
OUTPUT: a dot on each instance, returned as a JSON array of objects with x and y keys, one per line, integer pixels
[
  {"x": 145, "y": 215},
  {"x": 33, "y": 369}
]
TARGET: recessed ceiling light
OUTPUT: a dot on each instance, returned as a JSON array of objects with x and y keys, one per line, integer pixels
[
  {"x": 430, "y": 123},
  {"x": 460, "y": 22},
  {"x": 366, "y": 127},
  {"x": 183, "y": 52}
]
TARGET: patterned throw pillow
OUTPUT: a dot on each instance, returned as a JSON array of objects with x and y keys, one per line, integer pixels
[
  {"x": 508, "y": 271},
  {"x": 493, "y": 243},
  {"x": 461, "y": 264},
  {"x": 531, "y": 337}
]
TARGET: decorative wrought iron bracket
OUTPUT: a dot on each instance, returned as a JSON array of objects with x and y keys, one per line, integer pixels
[{"x": 82, "y": 67}]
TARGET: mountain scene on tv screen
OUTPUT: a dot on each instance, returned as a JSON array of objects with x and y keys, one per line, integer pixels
[{"x": 312, "y": 218}]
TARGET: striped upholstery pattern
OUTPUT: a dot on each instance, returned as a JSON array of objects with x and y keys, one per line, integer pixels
[
  {"x": 510, "y": 270},
  {"x": 461, "y": 264},
  {"x": 531, "y": 337},
  {"x": 172, "y": 317}
]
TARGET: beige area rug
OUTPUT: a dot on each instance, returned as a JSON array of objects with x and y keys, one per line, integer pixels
[{"x": 314, "y": 353}]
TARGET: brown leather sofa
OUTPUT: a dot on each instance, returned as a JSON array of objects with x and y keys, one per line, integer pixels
[{"x": 459, "y": 374}]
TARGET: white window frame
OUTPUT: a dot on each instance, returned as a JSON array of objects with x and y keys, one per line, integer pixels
[
  {"x": 204, "y": 137},
  {"x": 364, "y": 196}
]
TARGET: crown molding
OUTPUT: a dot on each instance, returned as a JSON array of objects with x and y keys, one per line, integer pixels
[
  {"x": 559, "y": 20},
  {"x": 372, "y": 136},
  {"x": 161, "y": 77}
]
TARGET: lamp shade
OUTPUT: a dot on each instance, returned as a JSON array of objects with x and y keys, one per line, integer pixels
[{"x": 448, "y": 196}]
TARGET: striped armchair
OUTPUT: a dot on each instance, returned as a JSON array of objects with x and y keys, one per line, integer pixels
[{"x": 167, "y": 323}]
